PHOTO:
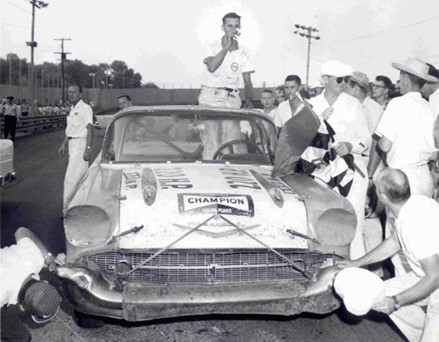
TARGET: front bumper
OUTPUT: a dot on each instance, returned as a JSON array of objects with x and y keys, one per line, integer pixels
[{"x": 135, "y": 302}]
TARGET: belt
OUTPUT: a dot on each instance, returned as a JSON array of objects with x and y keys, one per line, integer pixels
[
  {"x": 230, "y": 90},
  {"x": 70, "y": 138}
]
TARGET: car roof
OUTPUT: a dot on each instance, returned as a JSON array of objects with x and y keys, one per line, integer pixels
[{"x": 205, "y": 110}]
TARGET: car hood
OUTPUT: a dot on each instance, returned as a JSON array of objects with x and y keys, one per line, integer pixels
[{"x": 171, "y": 200}]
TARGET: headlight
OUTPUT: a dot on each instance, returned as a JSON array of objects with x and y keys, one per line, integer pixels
[
  {"x": 336, "y": 227},
  {"x": 87, "y": 226}
]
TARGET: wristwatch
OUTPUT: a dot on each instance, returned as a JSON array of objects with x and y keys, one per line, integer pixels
[{"x": 397, "y": 305}]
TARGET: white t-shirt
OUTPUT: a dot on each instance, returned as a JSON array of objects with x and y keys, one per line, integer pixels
[
  {"x": 229, "y": 73},
  {"x": 373, "y": 111},
  {"x": 79, "y": 117},
  {"x": 17, "y": 263},
  {"x": 417, "y": 227},
  {"x": 348, "y": 120},
  {"x": 408, "y": 123}
]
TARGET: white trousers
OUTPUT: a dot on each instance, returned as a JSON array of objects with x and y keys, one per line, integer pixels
[
  {"x": 357, "y": 197},
  {"x": 413, "y": 322},
  {"x": 75, "y": 170},
  {"x": 214, "y": 97}
]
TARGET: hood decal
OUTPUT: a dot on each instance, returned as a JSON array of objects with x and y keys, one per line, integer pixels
[{"x": 226, "y": 204}]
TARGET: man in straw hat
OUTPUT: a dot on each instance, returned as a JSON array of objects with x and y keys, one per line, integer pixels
[
  {"x": 417, "y": 235},
  {"x": 406, "y": 136},
  {"x": 20, "y": 265}
]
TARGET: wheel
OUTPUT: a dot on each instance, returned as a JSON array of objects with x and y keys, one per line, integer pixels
[
  {"x": 85, "y": 321},
  {"x": 250, "y": 145}
]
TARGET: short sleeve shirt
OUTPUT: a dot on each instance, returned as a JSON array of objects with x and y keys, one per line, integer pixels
[
  {"x": 78, "y": 119},
  {"x": 373, "y": 111},
  {"x": 408, "y": 123},
  {"x": 17, "y": 263},
  {"x": 434, "y": 101},
  {"x": 417, "y": 227},
  {"x": 229, "y": 73}
]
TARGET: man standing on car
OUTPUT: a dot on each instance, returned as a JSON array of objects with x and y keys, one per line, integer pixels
[
  {"x": 225, "y": 61},
  {"x": 79, "y": 136}
]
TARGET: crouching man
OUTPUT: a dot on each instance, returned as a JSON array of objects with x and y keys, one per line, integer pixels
[
  {"x": 417, "y": 233},
  {"x": 20, "y": 265}
]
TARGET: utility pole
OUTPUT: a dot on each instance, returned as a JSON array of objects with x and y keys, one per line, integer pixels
[
  {"x": 33, "y": 44},
  {"x": 307, "y": 33},
  {"x": 63, "y": 58}
]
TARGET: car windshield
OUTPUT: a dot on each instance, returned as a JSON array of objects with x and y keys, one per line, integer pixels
[{"x": 183, "y": 136}]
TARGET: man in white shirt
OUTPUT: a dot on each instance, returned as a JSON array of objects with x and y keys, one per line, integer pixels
[
  {"x": 226, "y": 60},
  {"x": 79, "y": 136},
  {"x": 287, "y": 109},
  {"x": 11, "y": 113},
  {"x": 406, "y": 128},
  {"x": 267, "y": 101},
  {"x": 430, "y": 90},
  {"x": 346, "y": 116},
  {"x": 417, "y": 235},
  {"x": 381, "y": 88}
]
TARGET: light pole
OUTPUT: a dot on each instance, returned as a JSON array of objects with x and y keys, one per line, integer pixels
[
  {"x": 33, "y": 44},
  {"x": 307, "y": 33},
  {"x": 93, "y": 75}
]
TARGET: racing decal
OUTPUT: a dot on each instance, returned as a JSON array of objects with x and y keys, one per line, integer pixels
[
  {"x": 240, "y": 205},
  {"x": 234, "y": 66},
  {"x": 239, "y": 179},
  {"x": 131, "y": 180},
  {"x": 278, "y": 183},
  {"x": 174, "y": 178}
]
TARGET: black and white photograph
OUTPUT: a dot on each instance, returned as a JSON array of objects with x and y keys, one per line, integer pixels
[{"x": 219, "y": 170}]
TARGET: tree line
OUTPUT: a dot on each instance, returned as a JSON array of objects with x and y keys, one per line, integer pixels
[{"x": 16, "y": 71}]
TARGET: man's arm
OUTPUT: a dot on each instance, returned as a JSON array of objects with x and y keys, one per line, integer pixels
[
  {"x": 214, "y": 62},
  {"x": 422, "y": 289},
  {"x": 385, "y": 144},
  {"x": 384, "y": 250},
  {"x": 248, "y": 89},
  {"x": 23, "y": 232},
  {"x": 374, "y": 157},
  {"x": 62, "y": 149}
]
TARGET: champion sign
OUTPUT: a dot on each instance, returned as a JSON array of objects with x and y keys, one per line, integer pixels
[{"x": 241, "y": 205}]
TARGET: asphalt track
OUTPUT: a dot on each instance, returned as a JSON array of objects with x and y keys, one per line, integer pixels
[{"x": 34, "y": 201}]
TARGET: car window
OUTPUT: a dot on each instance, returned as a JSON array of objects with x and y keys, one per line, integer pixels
[{"x": 178, "y": 137}]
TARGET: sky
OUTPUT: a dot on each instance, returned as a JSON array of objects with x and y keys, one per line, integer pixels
[{"x": 165, "y": 40}]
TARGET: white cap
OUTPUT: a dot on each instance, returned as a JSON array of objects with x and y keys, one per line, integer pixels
[
  {"x": 359, "y": 289},
  {"x": 336, "y": 68}
]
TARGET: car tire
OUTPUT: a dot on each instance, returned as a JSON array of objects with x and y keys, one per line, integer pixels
[{"x": 85, "y": 321}]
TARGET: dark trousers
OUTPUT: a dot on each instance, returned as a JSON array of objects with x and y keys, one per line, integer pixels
[
  {"x": 12, "y": 328},
  {"x": 10, "y": 125}
]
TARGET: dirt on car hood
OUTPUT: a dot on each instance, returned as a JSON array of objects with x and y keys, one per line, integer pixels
[{"x": 170, "y": 200}]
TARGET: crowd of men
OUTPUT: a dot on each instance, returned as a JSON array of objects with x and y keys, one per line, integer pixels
[{"x": 370, "y": 134}]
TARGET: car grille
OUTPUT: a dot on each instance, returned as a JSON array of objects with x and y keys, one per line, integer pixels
[{"x": 194, "y": 267}]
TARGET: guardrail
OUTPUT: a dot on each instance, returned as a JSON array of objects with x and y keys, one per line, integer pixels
[{"x": 32, "y": 124}]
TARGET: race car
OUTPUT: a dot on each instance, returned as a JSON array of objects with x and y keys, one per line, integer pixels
[{"x": 180, "y": 215}]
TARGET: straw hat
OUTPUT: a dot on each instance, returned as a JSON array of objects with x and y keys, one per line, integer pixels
[
  {"x": 361, "y": 78},
  {"x": 416, "y": 67}
]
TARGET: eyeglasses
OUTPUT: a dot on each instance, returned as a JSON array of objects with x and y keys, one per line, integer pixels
[
  {"x": 340, "y": 80},
  {"x": 377, "y": 86}
]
